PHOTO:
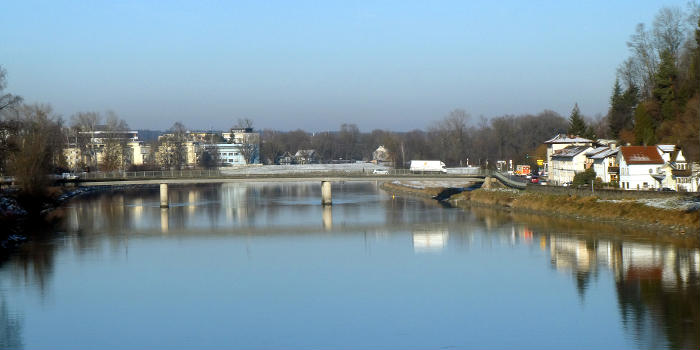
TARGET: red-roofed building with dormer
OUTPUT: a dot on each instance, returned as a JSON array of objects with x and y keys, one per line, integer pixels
[{"x": 641, "y": 167}]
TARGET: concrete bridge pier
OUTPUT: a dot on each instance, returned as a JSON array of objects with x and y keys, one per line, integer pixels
[
  {"x": 326, "y": 193},
  {"x": 164, "y": 196}
]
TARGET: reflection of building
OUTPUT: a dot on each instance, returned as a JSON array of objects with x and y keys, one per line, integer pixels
[
  {"x": 429, "y": 241},
  {"x": 657, "y": 285}
]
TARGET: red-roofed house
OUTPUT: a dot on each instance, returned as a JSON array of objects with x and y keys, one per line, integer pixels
[{"x": 640, "y": 167}]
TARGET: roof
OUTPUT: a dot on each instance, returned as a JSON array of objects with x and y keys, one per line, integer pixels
[
  {"x": 562, "y": 138},
  {"x": 570, "y": 151},
  {"x": 641, "y": 155},
  {"x": 305, "y": 153},
  {"x": 596, "y": 151},
  {"x": 667, "y": 148},
  {"x": 604, "y": 154}
]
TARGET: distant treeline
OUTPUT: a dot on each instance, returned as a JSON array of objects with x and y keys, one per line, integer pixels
[{"x": 456, "y": 140}]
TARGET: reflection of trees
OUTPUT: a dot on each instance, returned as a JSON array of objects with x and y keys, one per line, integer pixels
[
  {"x": 657, "y": 285},
  {"x": 35, "y": 262},
  {"x": 658, "y": 305},
  {"x": 10, "y": 329}
]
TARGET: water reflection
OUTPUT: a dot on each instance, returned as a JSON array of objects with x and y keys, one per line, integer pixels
[
  {"x": 10, "y": 328},
  {"x": 655, "y": 284},
  {"x": 430, "y": 241},
  {"x": 328, "y": 217}
]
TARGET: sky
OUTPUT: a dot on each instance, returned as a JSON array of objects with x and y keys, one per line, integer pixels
[{"x": 397, "y": 65}]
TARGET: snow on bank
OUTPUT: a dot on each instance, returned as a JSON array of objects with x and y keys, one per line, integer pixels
[{"x": 672, "y": 203}]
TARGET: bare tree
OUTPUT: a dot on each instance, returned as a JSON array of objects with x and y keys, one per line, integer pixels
[
  {"x": 348, "y": 136},
  {"x": 39, "y": 148},
  {"x": 249, "y": 151},
  {"x": 6, "y": 100},
  {"x": 645, "y": 54},
  {"x": 115, "y": 154},
  {"x": 83, "y": 127},
  {"x": 669, "y": 30},
  {"x": 173, "y": 147},
  {"x": 451, "y": 136},
  {"x": 244, "y": 123}
]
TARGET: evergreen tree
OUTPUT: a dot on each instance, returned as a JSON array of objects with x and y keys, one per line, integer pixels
[
  {"x": 577, "y": 126},
  {"x": 643, "y": 126},
  {"x": 665, "y": 87},
  {"x": 616, "y": 117}
]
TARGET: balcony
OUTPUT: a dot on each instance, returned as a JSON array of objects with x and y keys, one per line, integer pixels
[{"x": 614, "y": 169}]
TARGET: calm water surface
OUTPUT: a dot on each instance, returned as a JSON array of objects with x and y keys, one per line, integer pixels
[{"x": 266, "y": 266}]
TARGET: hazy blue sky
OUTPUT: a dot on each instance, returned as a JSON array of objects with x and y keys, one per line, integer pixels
[{"x": 314, "y": 65}]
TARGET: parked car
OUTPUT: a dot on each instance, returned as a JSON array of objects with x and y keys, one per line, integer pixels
[
  {"x": 666, "y": 189},
  {"x": 535, "y": 180},
  {"x": 380, "y": 172},
  {"x": 566, "y": 184}
]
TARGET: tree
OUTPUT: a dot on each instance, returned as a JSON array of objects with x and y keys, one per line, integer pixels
[
  {"x": 665, "y": 87},
  {"x": 668, "y": 30},
  {"x": 584, "y": 177},
  {"x": 644, "y": 125},
  {"x": 209, "y": 157},
  {"x": 7, "y": 100},
  {"x": 615, "y": 115},
  {"x": 83, "y": 127},
  {"x": 244, "y": 123},
  {"x": 172, "y": 150},
  {"x": 577, "y": 126},
  {"x": 451, "y": 137},
  {"x": 7, "y": 125},
  {"x": 642, "y": 47},
  {"x": 115, "y": 153},
  {"x": 348, "y": 136},
  {"x": 39, "y": 148}
]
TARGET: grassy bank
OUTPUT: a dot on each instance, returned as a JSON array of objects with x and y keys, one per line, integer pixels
[{"x": 591, "y": 207}]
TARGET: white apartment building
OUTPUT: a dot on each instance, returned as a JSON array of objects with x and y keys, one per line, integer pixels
[{"x": 561, "y": 141}]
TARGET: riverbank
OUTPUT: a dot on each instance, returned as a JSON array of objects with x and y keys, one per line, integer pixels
[
  {"x": 427, "y": 189},
  {"x": 21, "y": 218},
  {"x": 675, "y": 215}
]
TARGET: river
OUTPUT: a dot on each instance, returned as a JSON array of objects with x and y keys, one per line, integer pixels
[{"x": 264, "y": 265}]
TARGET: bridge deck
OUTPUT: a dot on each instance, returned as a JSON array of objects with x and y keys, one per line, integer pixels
[{"x": 332, "y": 178}]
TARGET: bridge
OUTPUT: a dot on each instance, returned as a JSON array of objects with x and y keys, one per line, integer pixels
[{"x": 174, "y": 177}]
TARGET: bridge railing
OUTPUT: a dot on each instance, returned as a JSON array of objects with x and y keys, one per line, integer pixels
[
  {"x": 508, "y": 180},
  {"x": 151, "y": 174}
]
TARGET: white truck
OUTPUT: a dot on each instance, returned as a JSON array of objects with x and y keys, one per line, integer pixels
[{"x": 428, "y": 166}]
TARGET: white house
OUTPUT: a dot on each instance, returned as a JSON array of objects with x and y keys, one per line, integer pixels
[
  {"x": 604, "y": 163},
  {"x": 561, "y": 141},
  {"x": 230, "y": 154},
  {"x": 678, "y": 173},
  {"x": 566, "y": 163},
  {"x": 640, "y": 167}
]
